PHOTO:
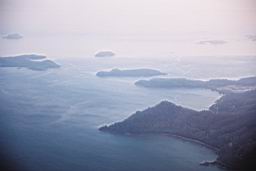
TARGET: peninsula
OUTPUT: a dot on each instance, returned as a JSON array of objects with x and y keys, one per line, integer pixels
[
  {"x": 228, "y": 126},
  {"x": 219, "y": 85}
]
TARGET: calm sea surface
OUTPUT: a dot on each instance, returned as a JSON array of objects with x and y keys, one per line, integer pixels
[{"x": 49, "y": 120}]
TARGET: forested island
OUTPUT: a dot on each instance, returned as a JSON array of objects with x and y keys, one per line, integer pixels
[
  {"x": 33, "y": 62},
  {"x": 219, "y": 85},
  {"x": 228, "y": 126},
  {"x": 130, "y": 73}
]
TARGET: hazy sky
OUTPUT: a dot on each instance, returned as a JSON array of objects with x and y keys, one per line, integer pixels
[
  {"x": 225, "y": 22},
  {"x": 156, "y": 17}
]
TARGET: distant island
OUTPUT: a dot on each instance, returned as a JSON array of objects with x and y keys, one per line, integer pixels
[
  {"x": 219, "y": 85},
  {"x": 130, "y": 73},
  {"x": 33, "y": 62},
  {"x": 228, "y": 127},
  {"x": 252, "y": 37},
  {"x": 211, "y": 42},
  {"x": 105, "y": 54},
  {"x": 12, "y": 36}
]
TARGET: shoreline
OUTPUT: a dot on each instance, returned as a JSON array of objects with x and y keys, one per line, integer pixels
[
  {"x": 196, "y": 141},
  {"x": 216, "y": 162},
  {"x": 205, "y": 163}
]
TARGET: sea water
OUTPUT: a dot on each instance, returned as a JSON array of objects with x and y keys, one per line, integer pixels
[{"x": 49, "y": 121}]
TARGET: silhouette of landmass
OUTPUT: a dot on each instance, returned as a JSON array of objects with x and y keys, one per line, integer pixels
[
  {"x": 12, "y": 36},
  {"x": 229, "y": 126},
  {"x": 130, "y": 73},
  {"x": 211, "y": 42},
  {"x": 33, "y": 62},
  {"x": 219, "y": 85},
  {"x": 104, "y": 54}
]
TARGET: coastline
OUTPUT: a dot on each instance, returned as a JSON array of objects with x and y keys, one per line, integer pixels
[
  {"x": 196, "y": 141},
  {"x": 216, "y": 162},
  {"x": 204, "y": 163}
]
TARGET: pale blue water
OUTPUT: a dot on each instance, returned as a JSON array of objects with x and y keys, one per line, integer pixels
[{"x": 49, "y": 121}]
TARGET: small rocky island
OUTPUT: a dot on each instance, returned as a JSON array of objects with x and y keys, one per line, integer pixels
[
  {"x": 12, "y": 36},
  {"x": 219, "y": 85},
  {"x": 228, "y": 126},
  {"x": 103, "y": 54},
  {"x": 130, "y": 73},
  {"x": 33, "y": 62}
]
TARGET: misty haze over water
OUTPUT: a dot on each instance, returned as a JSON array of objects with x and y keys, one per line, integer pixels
[{"x": 49, "y": 119}]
